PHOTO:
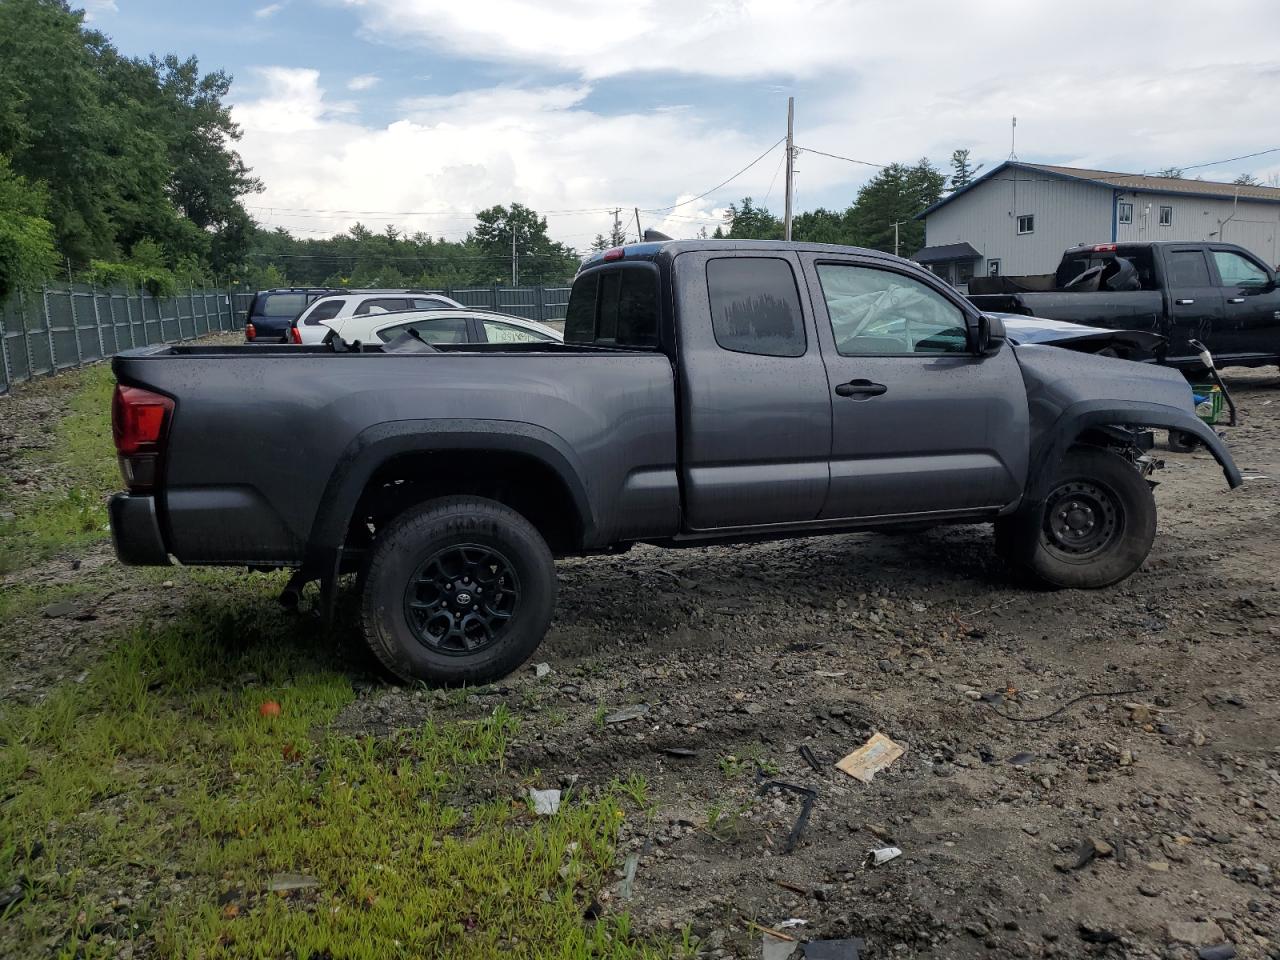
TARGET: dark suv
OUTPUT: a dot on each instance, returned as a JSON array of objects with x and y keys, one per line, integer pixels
[{"x": 271, "y": 311}]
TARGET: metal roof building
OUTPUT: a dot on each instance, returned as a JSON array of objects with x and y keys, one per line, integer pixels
[{"x": 1019, "y": 217}]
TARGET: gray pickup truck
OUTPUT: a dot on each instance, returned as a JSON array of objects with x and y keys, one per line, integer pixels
[{"x": 706, "y": 391}]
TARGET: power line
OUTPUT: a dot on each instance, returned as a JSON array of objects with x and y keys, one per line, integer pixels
[
  {"x": 836, "y": 156},
  {"x": 723, "y": 183},
  {"x": 461, "y": 214}
]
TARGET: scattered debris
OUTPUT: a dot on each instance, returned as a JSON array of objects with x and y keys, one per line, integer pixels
[
  {"x": 11, "y": 895},
  {"x": 1092, "y": 934},
  {"x": 792, "y": 887},
  {"x": 628, "y": 875},
  {"x": 269, "y": 708},
  {"x": 870, "y": 758},
  {"x": 1022, "y": 759},
  {"x": 810, "y": 797},
  {"x": 682, "y": 752},
  {"x": 791, "y": 923},
  {"x": 833, "y": 949},
  {"x": 882, "y": 855},
  {"x": 1065, "y": 707},
  {"x": 545, "y": 802},
  {"x": 1223, "y": 951},
  {"x": 623, "y": 714},
  {"x": 807, "y": 755},
  {"x": 288, "y": 882},
  {"x": 541, "y": 669},
  {"x": 1088, "y": 849}
]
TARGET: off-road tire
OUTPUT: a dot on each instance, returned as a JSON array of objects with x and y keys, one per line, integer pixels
[
  {"x": 1182, "y": 442},
  {"x": 413, "y": 539},
  {"x": 1125, "y": 507}
]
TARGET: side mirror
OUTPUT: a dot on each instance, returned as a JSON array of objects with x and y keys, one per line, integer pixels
[{"x": 990, "y": 336}]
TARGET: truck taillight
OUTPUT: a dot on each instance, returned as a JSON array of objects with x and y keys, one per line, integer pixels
[
  {"x": 1104, "y": 248},
  {"x": 139, "y": 422},
  {"x": 295, "y": 335},
  {"x": 250, "y": 331},
  {"x": 139, "y": 419}
]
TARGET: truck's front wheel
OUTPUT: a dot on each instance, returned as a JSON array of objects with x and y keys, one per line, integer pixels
[
  {"x": 458, "y": 590},
  {"x": 1096, "y": 526}
]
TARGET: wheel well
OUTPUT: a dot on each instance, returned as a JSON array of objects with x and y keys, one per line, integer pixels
[{"x": 523, "y": 483}]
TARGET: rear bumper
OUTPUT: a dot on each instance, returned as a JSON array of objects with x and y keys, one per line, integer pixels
[{"x": 135, "y": 531}]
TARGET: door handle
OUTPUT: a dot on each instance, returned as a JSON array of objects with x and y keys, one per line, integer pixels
[
  {"x": 1184, "y": 303},
  {"x": 1235, "y": 299},
  {"x": 860, "y": 388}
]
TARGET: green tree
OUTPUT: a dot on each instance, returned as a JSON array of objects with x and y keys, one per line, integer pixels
[
  {"x": 540, "y": 259},
  {"x": 1172, "y": 173},
  {"x": 746, "y": 221},
  {"x": 27, "y": 255},
  {"x": 822, "y": 226},
  {"x": 1246, "y": 180},
  {"x": 962, "y": 171},
  {"x": 895, "y": 194}
]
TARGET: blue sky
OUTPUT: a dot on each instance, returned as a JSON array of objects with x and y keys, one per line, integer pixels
[{"x": 420, "y": 112}]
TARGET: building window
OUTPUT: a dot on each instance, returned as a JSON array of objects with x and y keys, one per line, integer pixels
[
  {"x": 964, "y": 271},
  {"x": 1027, "y": 223},
  {"x": 1126, "y": 213},
  {"x": 993, "y": 268},
  {"x": 1166, "y": 216}
]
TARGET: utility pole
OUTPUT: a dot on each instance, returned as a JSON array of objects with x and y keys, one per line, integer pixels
[
  {"x": 639, "y": 232},
  {"x": 896, "y": 224},
  {"x": 791, "y": 155},
  {"x": 617, "y": 238},
  {"x": 515, "y": 258}
]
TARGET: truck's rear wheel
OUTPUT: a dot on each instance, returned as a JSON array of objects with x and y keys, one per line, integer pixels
[
  {"x": 1096, "y": 527},
  {"x": 458, "y": 590}
]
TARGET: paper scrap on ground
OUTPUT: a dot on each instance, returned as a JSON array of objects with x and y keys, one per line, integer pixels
[
  {"x": 883, "y": 855},
  {"x": 545, "y": 802},
  {"x": 870, "y": 758}
]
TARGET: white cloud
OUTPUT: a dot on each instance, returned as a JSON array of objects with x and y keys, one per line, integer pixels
[
  {"x": 1130, "y": 92},
  {"x": 270, "y": 10},
  {"x": 457, "y": 154},
  {"x": 93, "y": 9},
  {"x": 366, "y": 81}
]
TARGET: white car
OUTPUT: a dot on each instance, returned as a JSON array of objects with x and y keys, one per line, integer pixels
[
  {"x": 443, "y": 326},
  {"x": 308, "y": 326}
]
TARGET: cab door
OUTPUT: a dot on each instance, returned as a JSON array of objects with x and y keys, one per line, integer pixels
[
  {"x": 921, "y": 423},
  {"x": 1250, "y": 306},
  {"x": 1195, "y": 301},
  {"x": 755, "y": 411}
]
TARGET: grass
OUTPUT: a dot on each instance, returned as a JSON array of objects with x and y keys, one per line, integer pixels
[
  {"x": 153, "y": 802},
  {"x": 161, "y": 766},
  {"x": 81, "y": 462}
]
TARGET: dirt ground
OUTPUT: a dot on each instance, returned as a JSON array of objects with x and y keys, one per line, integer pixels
[{"x": 1132, "y": 824}]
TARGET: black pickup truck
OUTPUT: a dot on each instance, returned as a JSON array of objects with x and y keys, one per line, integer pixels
[
  {"x": 706, "y": 391},
  {"x": 1217, "y": 293}
]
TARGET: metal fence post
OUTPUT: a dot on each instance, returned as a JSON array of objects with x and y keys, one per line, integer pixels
[
  {"x": 195, "y": 330},
  {"x": 48, "y": 329},
  {"x": 496, "y": 299},
  {"x": 75, "y": 323},
  {"x": 26, "y": 333},
  {"x": 128, "y": 313},
  {"x": 97, "y": 320},
  {"x": 540, "y": 299},
  {"x": 4, "y": 355},
  {"x": 142, "y": 304}
]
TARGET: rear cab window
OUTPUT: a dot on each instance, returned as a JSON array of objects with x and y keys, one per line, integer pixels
[
  {"x": 323, "y": 311},
  {"x": 381, "y": 305},
  {"x": 616, "y": 306},
  {"x": 755, "y": 306}
]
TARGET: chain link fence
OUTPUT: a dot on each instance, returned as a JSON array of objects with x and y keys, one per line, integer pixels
[{"x": 60, "y": 327}]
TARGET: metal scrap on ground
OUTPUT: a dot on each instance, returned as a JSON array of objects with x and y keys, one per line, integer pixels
[{"x": 870, "y": 758}]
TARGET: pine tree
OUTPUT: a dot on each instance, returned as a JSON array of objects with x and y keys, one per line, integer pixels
[{"x": 963, "y": 172}]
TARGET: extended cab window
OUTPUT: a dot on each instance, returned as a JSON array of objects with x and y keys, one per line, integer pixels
[
  {"x": 614, "y": 308},
  {"x": 755, "y": 306},
  {"x": 279, "y": 305},
  {"x": 880, "y": 312},
  {"x": 1236, "y": 271}
]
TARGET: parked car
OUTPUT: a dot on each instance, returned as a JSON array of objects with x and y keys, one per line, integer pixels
[
  {"x": 442, "y": 326},
  {"x": 308, "y": 325},
  {"x": 1216, "y": 293},
  {"x": 707, "y": 391},
  {"x": 271, "y": 311}
]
